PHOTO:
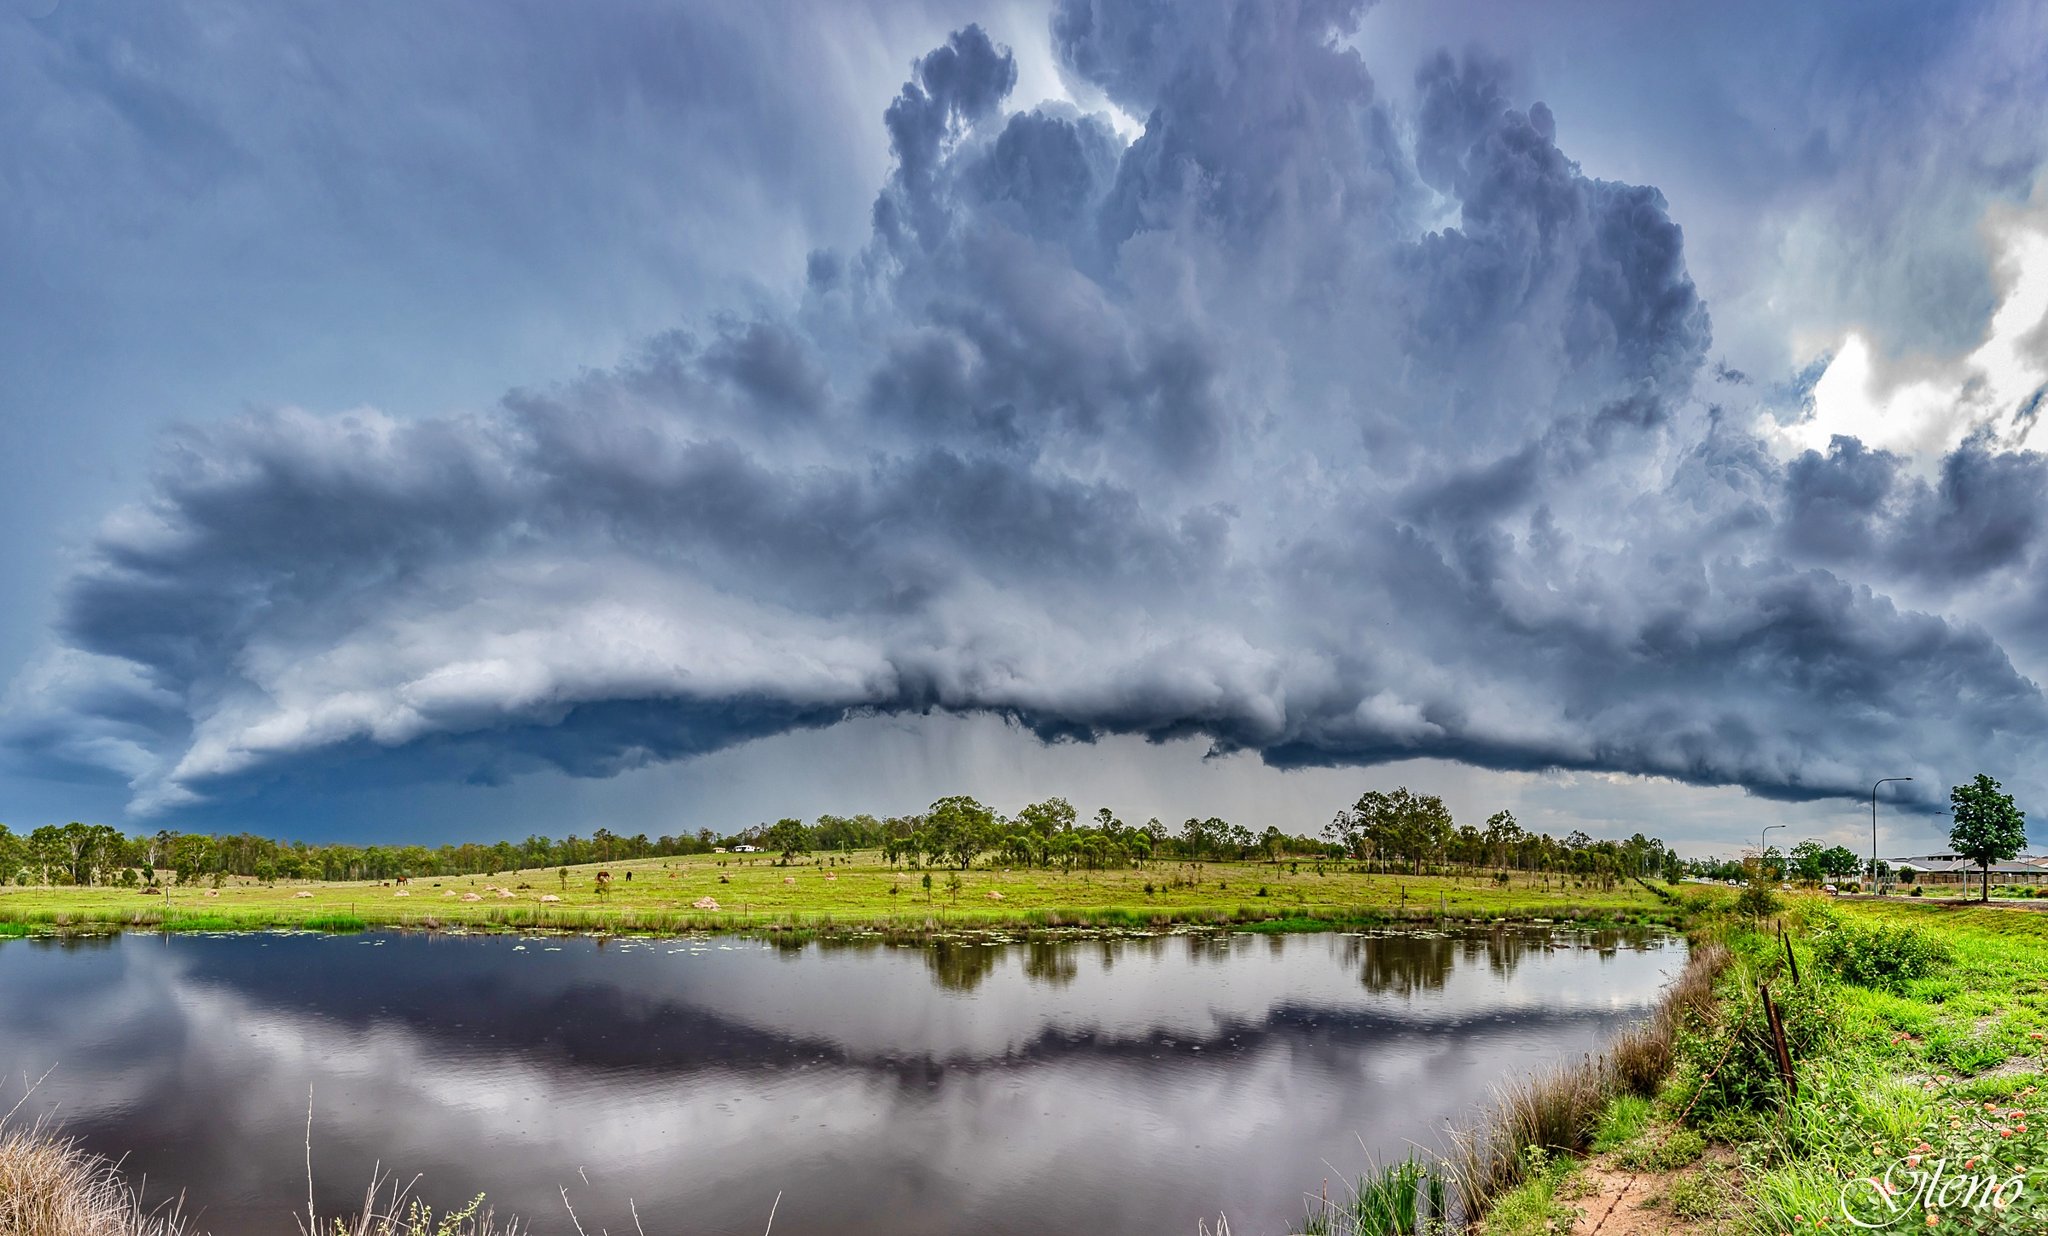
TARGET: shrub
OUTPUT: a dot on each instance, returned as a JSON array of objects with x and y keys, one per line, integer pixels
[
  {"x": 1695, "y": 1197},
  {"x": 1757, "y": 901},
  {"x": 1883, "y": 957},
  {"x": 1728, "y": 1066}
]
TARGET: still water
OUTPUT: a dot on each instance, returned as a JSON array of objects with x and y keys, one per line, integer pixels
[{"x": 1110, "y": 1086}]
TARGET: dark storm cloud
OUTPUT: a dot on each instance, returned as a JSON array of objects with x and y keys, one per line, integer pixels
[
  {"x": 1322, "y": 429},
  {"x": 1980, "y": 518}
]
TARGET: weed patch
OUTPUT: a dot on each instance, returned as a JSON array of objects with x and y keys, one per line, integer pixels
[{"x": 1881, "y": 956}]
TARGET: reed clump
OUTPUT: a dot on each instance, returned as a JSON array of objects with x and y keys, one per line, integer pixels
[
  {"x": 1558, "y": 1112},
  {"x": 1533, "y": 1130},
  {"x": 51, "y": 1186}
]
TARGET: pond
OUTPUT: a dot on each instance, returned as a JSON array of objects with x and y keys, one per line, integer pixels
[{"x": 1112, "y": 1085}]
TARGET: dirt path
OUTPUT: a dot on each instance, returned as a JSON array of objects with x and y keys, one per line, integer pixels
[{"x": 1618, "y": 1201}]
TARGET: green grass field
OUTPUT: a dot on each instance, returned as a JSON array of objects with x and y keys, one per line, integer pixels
[
  {"x": 858, "y": 892},
  {"x": 1919, "y": 1035}
]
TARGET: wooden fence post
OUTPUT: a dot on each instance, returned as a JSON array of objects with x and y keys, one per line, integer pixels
[{"x": 1783, "y": 1053}]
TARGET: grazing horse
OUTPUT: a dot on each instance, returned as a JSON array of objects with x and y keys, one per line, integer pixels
[{"x": 404, "y": 880}]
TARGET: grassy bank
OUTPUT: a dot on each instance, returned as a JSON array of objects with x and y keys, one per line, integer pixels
[
  {"x": 1512, "y": 1169},
  {"x": 856, "y": 893},
  {"x": 1916, "y": 1037}
]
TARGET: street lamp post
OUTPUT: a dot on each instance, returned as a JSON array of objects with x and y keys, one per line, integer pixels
[
  {"x": 1873, "y": 829},
  {"x": 1761, "y": 848}
]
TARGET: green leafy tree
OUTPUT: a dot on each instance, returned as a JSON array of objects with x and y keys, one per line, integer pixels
[
  {"x": 1988, "y": 828},
  {"x": 788, "y": 836},
  {"x": 1806, "y": 862},
  {"x": 1403, "y": 824},
  {"x": 1502, "y": 834},
  {"x": 1839, "y": 861},
  {"x": 958, "y": 828},
  {"x": 1054, "y": 815}
]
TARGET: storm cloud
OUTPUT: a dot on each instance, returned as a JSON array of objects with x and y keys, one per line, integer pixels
[{"x": 1320, "y": 427}]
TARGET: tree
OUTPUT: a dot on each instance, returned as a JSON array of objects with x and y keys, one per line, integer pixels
[
  {"x": 1989, "y": 828},
  {"x": 1502, "y": 832},
  {"x": 959, "y": 828},
  {"x": 1054, "y": 815},
  {"x": 836, "y": 832},
  {"x": 1806, "y": 861},
  {"x": 789, "y": 836},
  {"x": 1839, "y": 861},
  {"x": 1771, "y": 863}
]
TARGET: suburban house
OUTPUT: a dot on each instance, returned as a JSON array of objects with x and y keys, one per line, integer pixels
[{"x": 1955, "y": 869}]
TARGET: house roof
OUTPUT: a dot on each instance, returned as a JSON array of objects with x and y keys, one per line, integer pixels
[{"x": 1943, "y": 864}]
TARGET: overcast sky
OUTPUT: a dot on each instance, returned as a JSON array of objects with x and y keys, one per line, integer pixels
[{"x": 454, "y": 421}]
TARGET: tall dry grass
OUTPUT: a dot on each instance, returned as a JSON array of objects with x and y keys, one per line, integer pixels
[
  {"x": 51, "y": 1186},
  {"x": 1558, "y": 1111}
]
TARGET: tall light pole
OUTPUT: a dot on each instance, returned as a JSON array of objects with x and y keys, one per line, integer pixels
[
  {"x": 1761, "y": 848},
  {"x": 1873, "y": 829}
]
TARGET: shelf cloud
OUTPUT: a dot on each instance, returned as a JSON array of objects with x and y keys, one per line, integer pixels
[{"x": 1314, "y": 425}]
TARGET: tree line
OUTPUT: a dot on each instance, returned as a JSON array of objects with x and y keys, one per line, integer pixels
[
  {"x": 78, "y": 853},
  {"x": 1402, "y": 830},
  {"x": 1399, "y": 830}
]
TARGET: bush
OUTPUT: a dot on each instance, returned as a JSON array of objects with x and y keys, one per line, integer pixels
[
  {"x": 1881, "y": 957},
  {"x": 1728, "y": 1066},
  {"x": 1757, "y": 901}
]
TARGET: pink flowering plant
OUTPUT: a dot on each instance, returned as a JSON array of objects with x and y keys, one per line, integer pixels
[{"x": 1976, "y": 1165}]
